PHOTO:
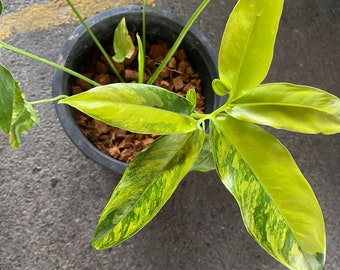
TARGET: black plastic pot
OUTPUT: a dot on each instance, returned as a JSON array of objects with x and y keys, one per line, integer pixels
[{"x": 160, "y": 24}]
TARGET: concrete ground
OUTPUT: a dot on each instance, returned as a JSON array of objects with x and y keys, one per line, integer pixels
[{"x": 51, "y": 195}]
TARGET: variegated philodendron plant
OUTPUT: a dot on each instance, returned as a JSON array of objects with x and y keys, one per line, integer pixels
[{"x": 252, "y": 164}]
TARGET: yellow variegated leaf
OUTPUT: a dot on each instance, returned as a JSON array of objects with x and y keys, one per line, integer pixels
[
  {"x": 288, "y": 106},
  {"x": 122, "y": 43},
  {"x": 148, "y": 182},
  {"x": 278, "y": 206},
  {"x": 139, "y": 108}
]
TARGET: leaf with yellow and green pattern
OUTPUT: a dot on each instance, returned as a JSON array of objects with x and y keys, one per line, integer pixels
[
  {"x": 148, "y": 182},
  {"x": 138, "y": 108},
  {"x": 278, "y": 206},
  {"x": 122, "y": 43},
  {"x": 288, "y": 106}
]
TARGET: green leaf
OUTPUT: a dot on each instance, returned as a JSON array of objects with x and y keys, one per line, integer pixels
[
  {"x": 16, "y": 114},
  {"x": 23, "y": 118},
  {"x": 122, "y": 43},
  {"x": 247, "y": 45},
  {"x": 138, "y": 108},
  {"x": 287, "y": 106},
  {"x": 0, "y": 7},
  {"x": 141, "y": 60},
  {"x": 7, "y": 89},
  {"x": 278, "y": 206},
  {"x": 220, "y": 88},
  {"x": 205, "y": 161},
  {"x": 191, "y": 96},
  {"x": 148, "y": 182}
]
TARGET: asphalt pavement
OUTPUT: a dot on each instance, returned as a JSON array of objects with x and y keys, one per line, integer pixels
[{"x": 51, "y": 195}]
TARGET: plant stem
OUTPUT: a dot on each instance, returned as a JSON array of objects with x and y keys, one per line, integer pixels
[
  {"x": 96, "y": 41},
  {"x": 48, "y": 100},
  {"x": 203, "y": 116},
  {"x": 47, "y": 62},
  {"x": 144, "y": 27},
  {"x": 219, "y": 110},
  {"x": 141, "y": 60},
  {"x": 178, "y": 40},
  {"x": 200, "y": 116}
]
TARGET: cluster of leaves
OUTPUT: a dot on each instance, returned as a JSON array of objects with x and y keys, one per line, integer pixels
[{"x": 253, "y": 165}]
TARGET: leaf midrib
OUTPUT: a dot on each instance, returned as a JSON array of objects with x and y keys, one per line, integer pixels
[{"x": 265, "y": 104}]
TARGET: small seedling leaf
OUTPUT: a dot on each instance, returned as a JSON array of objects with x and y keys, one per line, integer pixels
[
  {"x": 191, "y": 96},
  {"x": 122, "y": 43},
  {"x": 141, "y": 60},
  {"x": 220, "y": 87}
]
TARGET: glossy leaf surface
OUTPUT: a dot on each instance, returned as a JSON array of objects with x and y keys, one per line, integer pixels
[
  {"x": 23, "y": 118},
  {"x": 191, "y": 96},
  {"x": 278, "y": 206},
  {"x": 205, "y": 161},
  {"x": 220, "y": 88},
  {"x": 138, "y": 108},
  {"x": 247, "y": 45},
  {"x": 7, "y": 89},
  {"x": 288, "y": 106},
  {"x": 122, "y": 43},
  {"x": 148, "y": 182}
]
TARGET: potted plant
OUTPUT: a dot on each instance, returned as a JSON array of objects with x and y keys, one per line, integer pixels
[
  {"x": 199, "y": 52},
  {"x": 253, "y": 165}
]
